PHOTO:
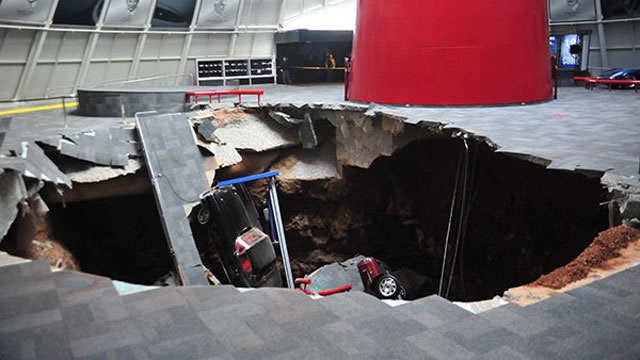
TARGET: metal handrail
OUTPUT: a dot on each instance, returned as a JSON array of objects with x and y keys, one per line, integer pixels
[{"x": 122, "y": 81}]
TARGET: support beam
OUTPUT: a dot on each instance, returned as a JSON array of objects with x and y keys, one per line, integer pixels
[
  {"x": 91, "y": 46},
  {"x": 186, "y": 46},
  {"x": 56, "y": 62},
  {"x": 602, "y": 37},
  {"x": 274, "y": 51},
  {"x": 34, "y": 54},
  {"x": 86, "y": 61},
  {"x": 5, "y": 35},
  {"x": 142, "y": 39},
  {"x": 234, "y": 36},
  {"x": 283, "y": 5},
  {"x": 30, "y": 66},
  {"x": 137, "y": 54},
  {"x": 634, "y": 48}
]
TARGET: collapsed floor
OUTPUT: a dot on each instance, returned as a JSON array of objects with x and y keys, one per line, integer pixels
[
  {"x": 519, "y": 222},
  {"x": 358, "y": 184}
]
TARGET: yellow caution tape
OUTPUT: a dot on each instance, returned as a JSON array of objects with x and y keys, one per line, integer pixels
[{"x": 37, "y": 108}]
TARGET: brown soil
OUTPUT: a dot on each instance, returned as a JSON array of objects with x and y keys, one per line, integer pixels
[
  {"x": 44, "y": 247},
  {"x": 606, "y": 246},
  {"x": 227, "y": 116}
]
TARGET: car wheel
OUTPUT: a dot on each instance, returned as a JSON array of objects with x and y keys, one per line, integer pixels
[
  {"x": 632, "y": 77},
  {"x": 387, "y": 287}
]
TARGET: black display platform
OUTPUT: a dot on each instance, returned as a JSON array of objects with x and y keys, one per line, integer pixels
[{"x": 113, "y": 101}]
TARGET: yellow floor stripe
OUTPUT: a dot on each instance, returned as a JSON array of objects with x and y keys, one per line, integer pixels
[{"x": 37, "y": 108}]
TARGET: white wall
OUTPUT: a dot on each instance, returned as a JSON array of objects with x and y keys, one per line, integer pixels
[
  {"x": 48, "y": 61},
  {"x": 337, "y": 15}
]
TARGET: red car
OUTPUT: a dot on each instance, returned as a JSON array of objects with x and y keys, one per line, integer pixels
[{"x": 378, "y": 280}]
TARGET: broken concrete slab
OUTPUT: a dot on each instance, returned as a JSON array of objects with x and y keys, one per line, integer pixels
[
  {"x": 252, "y": 163},
  {"x": 283, "y": 118},
  {"x": 630, "y": 207},
  {"x": 307, "y": 133},
  {"x": 225, "y": 155},
  {"x": 308, "y": 165},
  {"x": 178, "y": 178},
  {"x": 334, "y": 275},
  {"x": 111, "y": 147},
  {"x": 12, "y": 191},
  {"x": 361, "y": 139},
  {"x": 83, "y": 172},
  {"x": 247, "y": 130},
  {"x": 32, "y": 162},
  {"x": 128, "y": 185},
  {"x": 306, "y": 130},
  {"x": 207, "y": 130}
]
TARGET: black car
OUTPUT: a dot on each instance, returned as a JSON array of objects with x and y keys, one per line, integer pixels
[{"x": 245, "y": 251}]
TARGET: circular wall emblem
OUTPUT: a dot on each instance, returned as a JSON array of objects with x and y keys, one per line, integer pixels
[
  {"x": 573, "y": 4},
  {"x": 132, "y": 5},
  {"x": 219, "y": 6}
]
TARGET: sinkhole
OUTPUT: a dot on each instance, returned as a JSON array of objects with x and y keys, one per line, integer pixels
[
  {"x": 509, "y": 222},
  {"x": 448, "y": 214}
]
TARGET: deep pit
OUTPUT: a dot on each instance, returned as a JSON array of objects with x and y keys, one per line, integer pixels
[
  {"x": 520, "y": 219},
  {"x": 119, "y": 237},
  {"x": 513, "y": 221}
]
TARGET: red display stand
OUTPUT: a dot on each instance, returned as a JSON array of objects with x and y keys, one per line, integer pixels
[{"x": 464, "y": 52}]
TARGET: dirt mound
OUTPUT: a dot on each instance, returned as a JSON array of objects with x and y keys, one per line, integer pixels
[
  {"x": 45, "y": 247},
  {"x": 52, "y": 251},
  {"x": 606, "y": 246}
]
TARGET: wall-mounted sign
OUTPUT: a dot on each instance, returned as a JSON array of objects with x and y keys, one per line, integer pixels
[
  {"x": 567, "y": 10},
  {"x": 218, "y": 14},
  {"x": 25, "y": 11},
  {"x": 568, "y": 52},
  {"x": 128, "y": 13}
]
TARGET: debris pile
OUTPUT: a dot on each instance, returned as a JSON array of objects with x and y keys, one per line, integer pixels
[{"x": 605, "y": 246}]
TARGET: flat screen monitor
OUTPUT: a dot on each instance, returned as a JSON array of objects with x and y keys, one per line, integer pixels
[{"x": 568, "y": 60}]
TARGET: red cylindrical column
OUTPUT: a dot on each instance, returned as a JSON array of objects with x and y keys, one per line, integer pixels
[{"x": 464, "y": 52}]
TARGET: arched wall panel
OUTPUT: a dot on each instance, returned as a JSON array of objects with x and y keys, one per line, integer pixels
[
  {"x": 17, "y": 44},
  {"x": 10, "y": 75},
  {"x": 210, "y": 45}
]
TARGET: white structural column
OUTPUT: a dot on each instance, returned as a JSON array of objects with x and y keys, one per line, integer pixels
[
  {"x": 88, "y": 51},
  {"x": 253, "y": 36},
  {"x": 34, "y": 54},
  {"x": 142, "y": 39},
  {"x": 274, "y": 50},
  {"x": 602, "y": 38},
  {"x": 137, "y": 54},
  {"x": 634, "y": 47},
  {"x": 56, "y": 61},
  {"x": 234, "y": 36},
  {"x": 186, "y": 46}
]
